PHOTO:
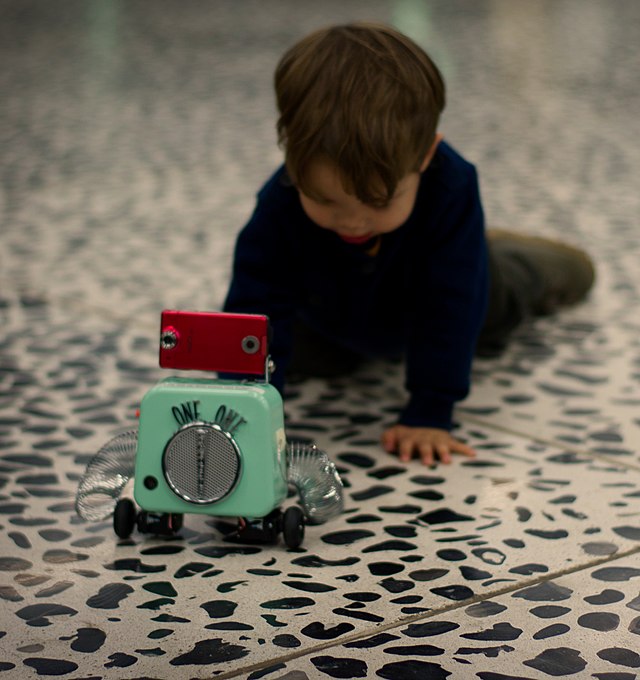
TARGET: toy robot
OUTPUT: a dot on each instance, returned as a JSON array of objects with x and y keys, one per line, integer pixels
[{"x": 212, "y": 446}]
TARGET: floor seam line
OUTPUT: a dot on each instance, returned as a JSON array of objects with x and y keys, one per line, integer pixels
[
  {"x": 551, "y": 442},
  {"x": 413, "y": 618}
]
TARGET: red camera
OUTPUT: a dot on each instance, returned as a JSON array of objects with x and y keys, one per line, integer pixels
[{"x": 214, "y": 341}]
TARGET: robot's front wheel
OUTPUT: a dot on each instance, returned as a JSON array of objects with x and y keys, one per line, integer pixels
[
  {"x": 124, "y": 518},
  {"x": 293, "y": 527}
]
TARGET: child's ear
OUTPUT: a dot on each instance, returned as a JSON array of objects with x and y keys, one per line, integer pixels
[{"x": 431, "y": 152}]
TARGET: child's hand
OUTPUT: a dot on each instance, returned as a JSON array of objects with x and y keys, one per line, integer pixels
[{"x": 429, "y": 443}]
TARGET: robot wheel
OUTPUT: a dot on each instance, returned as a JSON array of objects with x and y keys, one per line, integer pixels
[
  {"x": 293, "y": 527},
  {"x": 126, "y": 518}
]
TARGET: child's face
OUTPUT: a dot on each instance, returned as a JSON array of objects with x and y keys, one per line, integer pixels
[{"x": 331, "y": 207}]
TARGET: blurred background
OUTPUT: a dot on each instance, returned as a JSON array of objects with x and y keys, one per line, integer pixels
[{"x": 134, "y": 134}]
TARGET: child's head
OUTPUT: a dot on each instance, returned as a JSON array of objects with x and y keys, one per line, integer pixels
[{"x": 362, "y": 98}]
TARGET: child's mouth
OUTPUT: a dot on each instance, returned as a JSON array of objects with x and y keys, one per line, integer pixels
[{"x": 356, "y": 240}]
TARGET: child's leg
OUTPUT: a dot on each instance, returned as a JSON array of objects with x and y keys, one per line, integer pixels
[{"x": 530, "y": 276}]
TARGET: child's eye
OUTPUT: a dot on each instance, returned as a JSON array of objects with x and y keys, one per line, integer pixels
[{"x": 319, "y": 200}]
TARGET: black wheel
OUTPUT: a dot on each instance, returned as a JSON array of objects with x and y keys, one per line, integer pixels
[
  {"x": 124, "y": 517},
  {"x": 293, "y": 527}
]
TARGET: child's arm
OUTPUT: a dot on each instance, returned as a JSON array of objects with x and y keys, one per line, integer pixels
[
  {"x": 430, "y": 444},
  {"x": 447, "y": 290},
  {"x": 264, "y": 272}
]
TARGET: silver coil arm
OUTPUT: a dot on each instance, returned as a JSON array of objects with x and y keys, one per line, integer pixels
[
  {"x": 105, "y": 476},
  {"x": 317, "y": 481}
]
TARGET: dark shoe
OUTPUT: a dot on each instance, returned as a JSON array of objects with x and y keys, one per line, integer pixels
[{"x": 563, "y": 274}]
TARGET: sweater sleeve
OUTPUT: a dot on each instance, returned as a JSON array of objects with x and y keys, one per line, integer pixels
[
  {"x": 448, "y": 286},
  {"x": 263, "y": 273}
]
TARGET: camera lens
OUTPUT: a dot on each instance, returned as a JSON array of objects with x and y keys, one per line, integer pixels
[
  {"x": 168, "y": 338},
  {"x": 250, "y": 344}
]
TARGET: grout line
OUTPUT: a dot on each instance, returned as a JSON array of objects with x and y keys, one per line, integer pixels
[
  {"x": 413, "y": 618},
  {"x": 550, "y": 442}
]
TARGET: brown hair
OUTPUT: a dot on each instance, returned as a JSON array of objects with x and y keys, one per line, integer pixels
[{"x": 363, "y": 96}]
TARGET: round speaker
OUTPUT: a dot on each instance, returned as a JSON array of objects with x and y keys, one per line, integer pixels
[{"x": 201, "y": 463}]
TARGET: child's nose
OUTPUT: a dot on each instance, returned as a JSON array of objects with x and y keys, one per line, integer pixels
[{"x": 350, "y": 221}]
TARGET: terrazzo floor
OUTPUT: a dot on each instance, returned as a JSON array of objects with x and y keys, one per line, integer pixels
[{"x": 133, "y": 138}]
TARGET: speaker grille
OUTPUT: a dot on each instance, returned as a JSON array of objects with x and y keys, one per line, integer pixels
[{"x": 201, "y": 463}]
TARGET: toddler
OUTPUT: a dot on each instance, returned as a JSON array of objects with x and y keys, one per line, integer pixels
[{"x": 370, "y": 239}]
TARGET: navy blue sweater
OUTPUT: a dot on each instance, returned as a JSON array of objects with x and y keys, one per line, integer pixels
[{"x": 423, "y": 294}]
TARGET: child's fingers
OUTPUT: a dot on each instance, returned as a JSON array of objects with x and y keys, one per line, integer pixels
[
  {"x": 444, "y": 453},
  {"x": 405, "y": 450},
  {"x": 389, "y": 441},
  {"x": 426, "y": 454},
  {"x": 465, "y": 450},
  {"x": 407, "y": 442}
]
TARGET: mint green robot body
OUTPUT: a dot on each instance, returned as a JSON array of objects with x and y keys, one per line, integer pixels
[{"x": 211, "y": 447}]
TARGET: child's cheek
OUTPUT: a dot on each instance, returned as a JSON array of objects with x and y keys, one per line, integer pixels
[
  {"x": 312, "y": 211},
  {"x": 316, "y": 216}
]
